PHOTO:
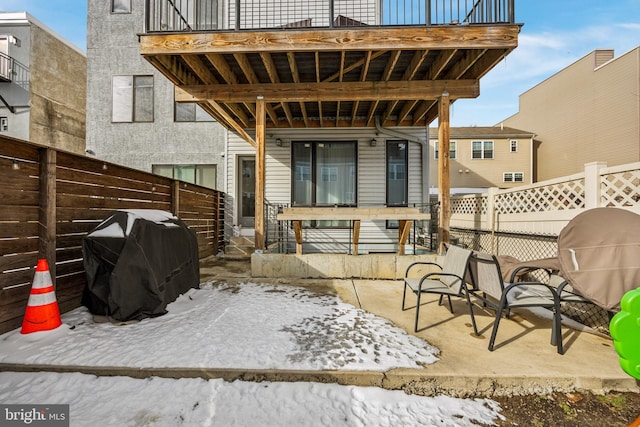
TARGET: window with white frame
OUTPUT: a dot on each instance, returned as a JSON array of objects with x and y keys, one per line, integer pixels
[
  {"x": 191, "y": 112},
  {"x": 453, "y": 146},
  {"x": 204, "y": 175},
  {"x": 513, "y": 177},
  {"x": 482, "y": 149},
  {"x": 120, "y": 6},
  {"x": 513, "y": 146},
  {"x": 132, "y": 99}
]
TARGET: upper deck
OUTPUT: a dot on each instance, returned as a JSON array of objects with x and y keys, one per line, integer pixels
[{"x": 327, "y": 63}]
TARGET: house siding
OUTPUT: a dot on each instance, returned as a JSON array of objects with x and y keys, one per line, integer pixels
[
  {"x": 584, "y": 114},
  {"x": 371, "y": 178}
]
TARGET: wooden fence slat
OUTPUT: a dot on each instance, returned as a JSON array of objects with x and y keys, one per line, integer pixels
[
  {"x": 12, "y": 229},
  {"x": 18, "y": 261},
  {"x": 25, "y": 213}
]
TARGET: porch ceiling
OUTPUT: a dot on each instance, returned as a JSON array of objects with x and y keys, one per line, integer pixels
[{"x": 329, "y": 77}]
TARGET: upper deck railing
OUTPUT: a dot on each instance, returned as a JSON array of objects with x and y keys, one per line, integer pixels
[{"x": 218, "y": 15}]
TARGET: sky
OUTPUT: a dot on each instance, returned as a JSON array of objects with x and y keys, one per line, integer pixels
[
  {"x": 224, "y": 326},
  {"x": 555, "y": 34}
]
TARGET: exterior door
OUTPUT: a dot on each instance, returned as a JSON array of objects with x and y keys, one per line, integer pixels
[{"x": 247, "y": 191}]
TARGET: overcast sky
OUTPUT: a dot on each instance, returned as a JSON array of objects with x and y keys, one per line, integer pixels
[{"x": 555, "y": 34}]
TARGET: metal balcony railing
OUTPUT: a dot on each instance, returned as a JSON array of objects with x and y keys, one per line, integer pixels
[
  {"x": 13, "y": 71},
  {"x": 217, "y": 15}
]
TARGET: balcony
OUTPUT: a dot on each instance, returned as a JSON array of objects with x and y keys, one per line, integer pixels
[
  {"x": 12, "y": 71},
  {"x": 327, "y": 63}
]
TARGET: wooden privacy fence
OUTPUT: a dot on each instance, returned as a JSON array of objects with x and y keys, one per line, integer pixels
[{"x": 49, "y": 199}]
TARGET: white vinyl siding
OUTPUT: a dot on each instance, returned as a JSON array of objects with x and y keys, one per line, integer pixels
[{"x": 371, "y": 172}]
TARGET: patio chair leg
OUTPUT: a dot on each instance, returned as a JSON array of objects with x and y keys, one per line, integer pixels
[
  {"x": 404, "y": 295},
  {"x": 556, "y": 331},
  {"x": 450, "y": 306},
  {"x": 415, "y": 327},
  {"x": 496, "y": 323},
  {"x": 473, "y": 319}
]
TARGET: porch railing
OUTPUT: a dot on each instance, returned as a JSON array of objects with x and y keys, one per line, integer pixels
[
  {"x": 13, "y": 71},
  {"x": 215, "y": 15}
]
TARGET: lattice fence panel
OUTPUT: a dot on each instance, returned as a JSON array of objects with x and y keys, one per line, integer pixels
[
  {"x": 472, "y": 204},
  {"x": 620, "y": 189},
  {"x": 560, "y": 196}
]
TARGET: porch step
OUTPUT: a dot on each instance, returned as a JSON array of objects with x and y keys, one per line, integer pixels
[{"x": 240, "y": 247}]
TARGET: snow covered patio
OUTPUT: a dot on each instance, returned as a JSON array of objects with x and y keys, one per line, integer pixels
[{"x": 333, "y": 331}]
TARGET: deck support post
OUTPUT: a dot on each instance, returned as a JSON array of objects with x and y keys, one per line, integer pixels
[
  {"x": 444, "y": 183},
  {"x": 260, "y": 169}
]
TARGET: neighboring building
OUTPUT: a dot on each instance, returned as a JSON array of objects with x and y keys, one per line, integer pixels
[
  {"x": 132, "y": 117},
  {"x": 42, "y": 89},
  {"x": 333, "y": 109},
  {"x": 588, "y": 112},
  {"x": 483, "y": 157}
]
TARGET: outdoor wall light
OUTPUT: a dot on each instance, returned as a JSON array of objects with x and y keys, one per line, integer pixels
[
  {"x": 15, "y": 165},
  {"x": 373, "y": 142},
  {"x": 104, "y": 166},
  {"x": 459, "y": 170},
  {"x": 278, "y": 142}
]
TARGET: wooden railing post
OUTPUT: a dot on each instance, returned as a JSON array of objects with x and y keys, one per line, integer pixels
[{"x": 47, "y": 211}]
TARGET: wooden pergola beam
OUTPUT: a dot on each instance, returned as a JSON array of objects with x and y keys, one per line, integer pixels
[{"x": 334, "y": 91}]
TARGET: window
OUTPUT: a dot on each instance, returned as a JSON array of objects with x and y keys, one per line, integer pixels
[
  {"x": 482, "y": 149},
  {"x": 513, "y": 146},
  {"x": 204, "y": 175},
  {"x": 4, "y": 124},
  {"x": 452, "y": 150},
  {"x": 191, "y": 112},
  {"x": 120, "y": 6},
  {"x": 397, "y": 171},
  {"x": 324, "y": 175},
  {"x": 513, "y": 177},
  {"x": 132, "y": 99}
]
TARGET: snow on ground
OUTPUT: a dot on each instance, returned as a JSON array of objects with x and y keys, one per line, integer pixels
[
  {"x": 160, "y": 402},
  {"x": 246, "y": 326}
]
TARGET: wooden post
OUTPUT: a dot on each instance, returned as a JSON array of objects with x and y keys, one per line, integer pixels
[
  {"x": 260, "y": 167},
  {"x": 175, "y": 197},
  {"x": 444, "y": 183},
  {"x": 47, "y": 214}
]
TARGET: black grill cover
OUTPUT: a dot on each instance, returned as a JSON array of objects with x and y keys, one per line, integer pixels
[{"x": 137, "y": 262}]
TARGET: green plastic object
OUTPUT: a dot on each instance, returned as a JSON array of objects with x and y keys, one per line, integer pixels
[{"x": 625, "y": 331}]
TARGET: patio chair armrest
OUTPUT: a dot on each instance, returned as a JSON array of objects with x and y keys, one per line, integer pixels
[
  {"x": 439, "y": 274},
  {"x": 553, "y": 291},
  {"x": 406, "y": 273},
  {"x": 515, "y": 272}
]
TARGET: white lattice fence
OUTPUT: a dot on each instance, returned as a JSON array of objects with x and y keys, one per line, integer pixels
[
  {"x": 553, "y": 197},
  {"x": 470, "y": 204},
  {"x": 620, "y": 186}
]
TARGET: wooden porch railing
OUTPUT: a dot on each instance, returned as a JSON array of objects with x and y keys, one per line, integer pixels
[{"x": 52, "y": 198}]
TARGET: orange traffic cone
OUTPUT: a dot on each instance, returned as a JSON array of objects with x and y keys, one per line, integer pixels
[{"x": 42, "y": 312}]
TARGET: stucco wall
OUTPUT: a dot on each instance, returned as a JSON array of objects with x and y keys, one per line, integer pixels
[
  {"x": 58, "y": 93},
  {"x": 112, "y": 49}
]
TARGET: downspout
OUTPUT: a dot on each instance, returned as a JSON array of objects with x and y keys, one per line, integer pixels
[{"x": 424, "y": 151}]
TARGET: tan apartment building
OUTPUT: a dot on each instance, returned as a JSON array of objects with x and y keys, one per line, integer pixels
[
  {"x": 588, "y": 112},
  {"x": 42, "y": 84},
  {"x": 483, "y": 157}
]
